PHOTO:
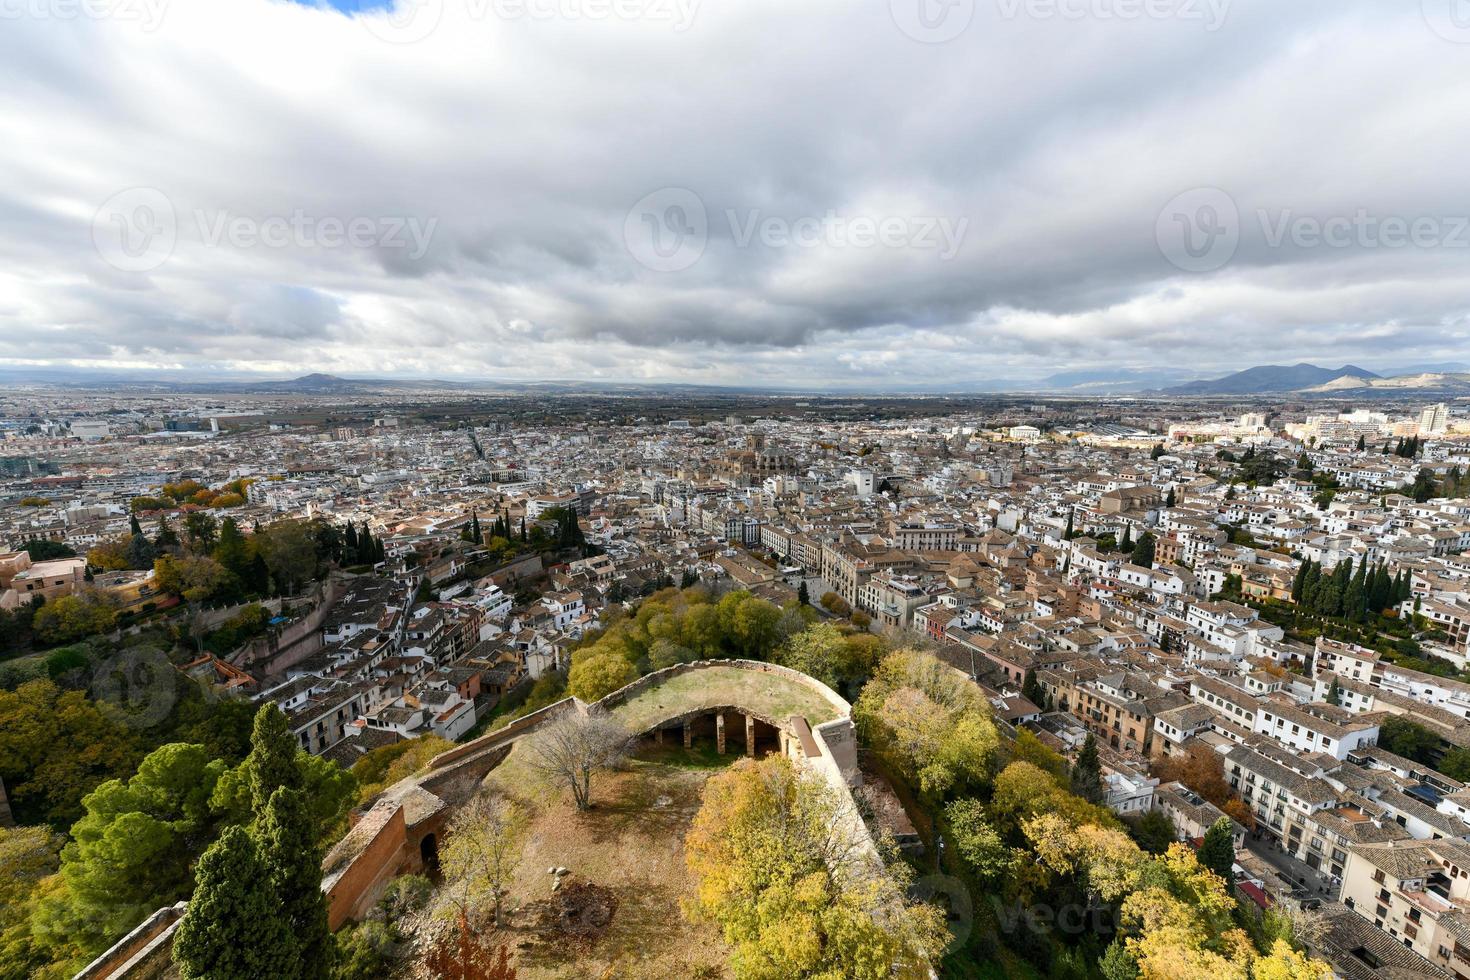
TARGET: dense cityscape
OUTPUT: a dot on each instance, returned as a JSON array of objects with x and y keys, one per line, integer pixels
[{"x": 1108, "y": 640}]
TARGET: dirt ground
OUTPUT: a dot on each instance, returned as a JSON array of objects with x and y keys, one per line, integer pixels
[{"x": 630, "y": 849}]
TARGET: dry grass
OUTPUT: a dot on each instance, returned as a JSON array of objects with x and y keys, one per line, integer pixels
[
  {"x": 632, "y": 843},
  {"x": 770, "y": 695}
]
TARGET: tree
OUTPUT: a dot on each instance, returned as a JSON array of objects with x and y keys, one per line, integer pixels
[
  {"x": 819, "y": 651},
  {"x": 689, "y": 579},
  {"x": 193, "y": 578},
  {"x": 1143, "y": 552},
  {"x": 56, "y": 747},
  {"x": 1423, "y": 487},
  {"x": 930, "y": 720},
  {"x": 134, "y": 848},
  {"x": 233, "y": 929},
  {"x": 1087, "y": 772},
  {"x": 1070, "y": 532},
  {"x": 571, "y": 749},
  {"x": 1171, "y": 500},
  {"x": 74, "y": 617},
  {"x": 290, "y": 553},
  {"x": 286, "y": 837},
  {"x": 1032, "y": 690},
  {"x": 140, "y": 552},
  {"x": 1153, "y": 831},
  {"x": 1217, "y": 850},
  {"x": 480, "y": 854},
  {"x": 271, "y": 764},
  {"x": 779, "y": 859},
  {"x": 1408, "y": 738},
  {"x": 1201, "y": 770},
  {"x": 42, "y": 550},
  {"x": 1456, "y": 764},
  {"x": 594, "y": 677},
  {"x": 802, "y": 595},
  {"x": 976, "y": 841},
  {"x": 200, "y": 529},
  {"x": 110, "y": 555},
  {"x": 1334, "y": 694},
  {"x": 1157, "y": 451}
]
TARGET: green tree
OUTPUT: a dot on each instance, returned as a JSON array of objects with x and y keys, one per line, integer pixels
[
  {"x": 976, "y": 842},
  {"x": 594, "y": 677},
  {"x": 1217, "y": 849},
  {"x": 289, "y": 553},
  {"x": 286, "y": 837},
  {"x": 74, "y": 617},
  {"x": 931, "y": 721},
  {"x": 1086, "y": 775},
  {"x": 56, "y": 747},
  {"x": 134, "y": 848},
  {"x": 233, "y": 929},
  {"x": 1032, "y": 690},
  {"x": 1143, "y": 551},
  {"x": 271, "y": 764},
  {"x": 1153, "y": 831},
  {"x": 1408, "y": 738},
  {"x": 1456, "y": 764}
]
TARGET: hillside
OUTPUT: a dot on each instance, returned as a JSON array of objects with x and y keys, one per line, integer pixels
[{"x": 1271, "y": 378}]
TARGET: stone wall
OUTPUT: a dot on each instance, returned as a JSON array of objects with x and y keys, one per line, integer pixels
[{"x": 146, "y": 953}]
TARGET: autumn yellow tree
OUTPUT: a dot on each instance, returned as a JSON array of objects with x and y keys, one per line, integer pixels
[
  {"x": 783, "y": 869},
  {"x": 931, "y": 719}
]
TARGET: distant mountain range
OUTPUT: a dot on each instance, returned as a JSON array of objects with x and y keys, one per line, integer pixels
[
  {"x": 1348, "y": 381},
  {"x": 1271, "y": 378}
]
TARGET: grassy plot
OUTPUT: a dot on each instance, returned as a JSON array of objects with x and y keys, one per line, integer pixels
[{"x": 628, "y": 852}]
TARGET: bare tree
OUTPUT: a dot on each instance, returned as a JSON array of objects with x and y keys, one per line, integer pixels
[
  {"x": 571, "y": 749},
  {"x": 480, "y": 853}
]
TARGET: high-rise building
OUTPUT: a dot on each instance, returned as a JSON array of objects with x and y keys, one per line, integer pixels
[{"x": 1434, "y": 420}]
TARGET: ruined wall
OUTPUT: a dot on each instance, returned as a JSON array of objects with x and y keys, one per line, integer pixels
[{"x": 146, "y": 953}]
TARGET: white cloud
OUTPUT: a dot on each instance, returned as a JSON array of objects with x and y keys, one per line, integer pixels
[{"x": 525, "y": 140}]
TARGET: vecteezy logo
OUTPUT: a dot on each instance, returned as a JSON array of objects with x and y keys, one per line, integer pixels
[
  {"x": 666, "y": 231},
  {"x": 951, "y": 895},
  {"x": 140, "y": 683},
  {"x": 136, "y": 230},
  {"x": 932, "y": 21},
  {"x": 1199, "y": 230},
  {"x": 404, "y": 21},
  {"x": 1450, "y": 19}
]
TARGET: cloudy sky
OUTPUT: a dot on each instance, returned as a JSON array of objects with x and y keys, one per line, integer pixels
[{"x": 863, "y": 193}]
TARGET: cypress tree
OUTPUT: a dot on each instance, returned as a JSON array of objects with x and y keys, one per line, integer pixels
[
  {"x": 1298, "y": 581},
  {"x": 1143, "y": 552},
  {"x": 165, "y": 539},
  {"x": 1217, "y": 850},
  {"x": 351, "y": 546},
  {"x": 133, "y": 526},
  {"x": 1070, "y": 533},
  {"x": 233, "y": 929},
  {"x": 1087, "y": 772},
  {"x": 287, "y": 841},
  {"x": 1032, "y": 691},
  {"x": 271, "y": 764},
  {"x": 1170, "y": 501},
  {"x": 1127, "y": 543}
]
